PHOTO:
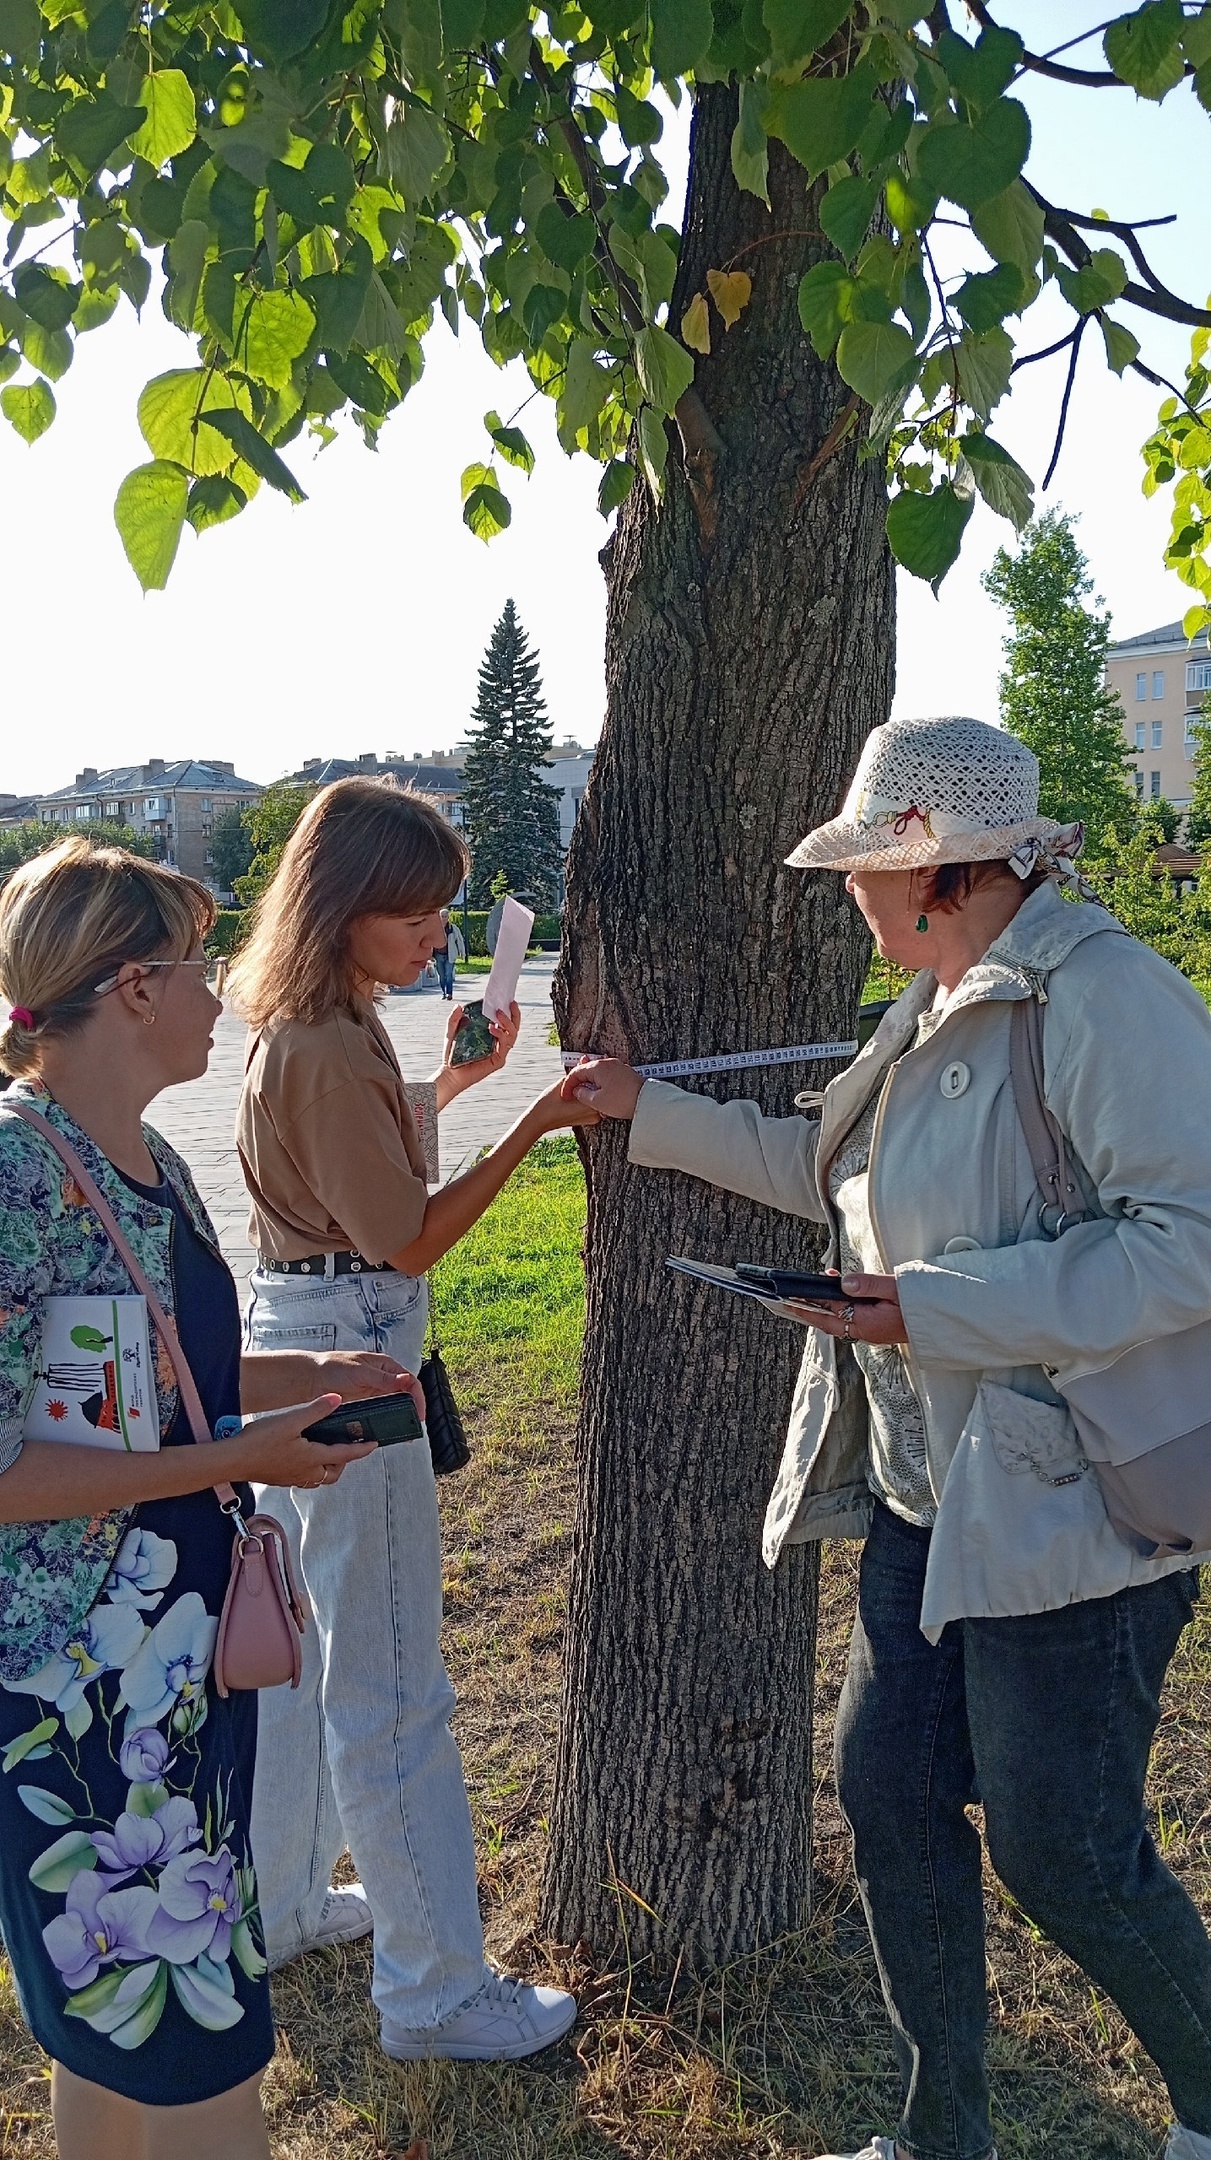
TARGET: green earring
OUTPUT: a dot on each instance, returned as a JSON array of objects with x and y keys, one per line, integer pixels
[{"x": 922, "y": 922}]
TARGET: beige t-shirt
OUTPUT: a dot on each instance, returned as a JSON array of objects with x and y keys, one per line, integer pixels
[{"x": 327, "y": 1141}]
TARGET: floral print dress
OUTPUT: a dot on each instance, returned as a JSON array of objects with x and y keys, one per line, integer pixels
[{"x": 127, "y": 1893}]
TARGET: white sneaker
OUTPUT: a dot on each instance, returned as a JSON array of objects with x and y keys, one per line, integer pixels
[
  {"x": 345, "y": 1918},
  {"x": 1187, "y": 2144},
  {"x": 505, "y": 2021},
  {"x": 882, "y": 2148}
]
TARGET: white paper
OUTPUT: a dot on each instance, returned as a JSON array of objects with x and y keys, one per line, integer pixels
[
  {"x": 95, "y": 1386},
  {"x": 501, "y": 987}
]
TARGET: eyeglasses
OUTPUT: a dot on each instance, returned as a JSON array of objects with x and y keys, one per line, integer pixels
[{"x": 102, "y": 989}]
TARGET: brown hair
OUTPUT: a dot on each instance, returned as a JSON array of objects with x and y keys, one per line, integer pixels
[
  {"x": 68, "y": 918},
  {"x": 952, "y": 884},
  {"x": 361, "y": 847}
]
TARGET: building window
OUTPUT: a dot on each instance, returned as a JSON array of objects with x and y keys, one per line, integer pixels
[
  {"x": 1158, "y": 683},
  {"x": 1141, "y": 735},
  {"x": 1141, "y": 688},
  {"x": 84, "y": 810},
  {"x": 1157, "y": 725},
  {"x": 1139, "y": 784},
  {"x": 1193, "y": 721},
  {"x": 1198, "y": 675},
  {"x": 206, "y": 805},
  {"x": 1154, "y": 786},
  {"x": 112, "y": 809}
]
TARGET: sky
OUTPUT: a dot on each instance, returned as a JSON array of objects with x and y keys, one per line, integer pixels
[{"x": 357, "y": 620}]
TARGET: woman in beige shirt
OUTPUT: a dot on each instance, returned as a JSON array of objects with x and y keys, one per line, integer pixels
[{"x": 345, "y": 1227}]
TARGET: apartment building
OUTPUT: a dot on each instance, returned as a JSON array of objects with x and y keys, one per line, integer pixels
[
  {"x": 1162, "y": 679},
  {"x": 175, "y": 801},
  {"x": 439, "y": 775}
]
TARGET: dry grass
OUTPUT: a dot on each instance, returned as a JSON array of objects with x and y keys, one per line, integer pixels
[{"x": 781, "y": 2057}]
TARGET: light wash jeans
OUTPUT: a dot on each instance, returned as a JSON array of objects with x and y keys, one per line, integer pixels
[{"x": 361, "y": 1753}]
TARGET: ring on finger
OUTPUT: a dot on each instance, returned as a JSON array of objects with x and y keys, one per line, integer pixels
[{"x": 848, "y": 1317}]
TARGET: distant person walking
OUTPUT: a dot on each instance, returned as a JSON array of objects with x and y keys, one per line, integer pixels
[
  {"x": 446, "y": 957},
  {"x": 1010, "y": 1645},
  {"x": 345, "y": 1229}
]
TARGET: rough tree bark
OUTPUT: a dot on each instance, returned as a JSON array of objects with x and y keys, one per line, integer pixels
[{"x": 749, "y": 651}]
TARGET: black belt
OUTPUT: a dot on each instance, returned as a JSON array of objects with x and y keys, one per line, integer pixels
[{"x": 325, "y": 1265}]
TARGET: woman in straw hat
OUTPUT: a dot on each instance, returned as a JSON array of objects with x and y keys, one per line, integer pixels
[{"x": 1009, "y": 1646}]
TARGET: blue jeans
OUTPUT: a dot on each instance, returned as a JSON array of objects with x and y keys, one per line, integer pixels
[
  {"x": 445, "y": 973},
  {"x": 361, "y": 1753},
  {"x": 1048, "y": 1720}
]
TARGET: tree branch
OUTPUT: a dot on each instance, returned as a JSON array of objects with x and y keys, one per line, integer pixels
[
  {"x": 1078, "y": 334},
  {"x": 1085, "y": 78},
  {"x": 1154, "y": 298}
]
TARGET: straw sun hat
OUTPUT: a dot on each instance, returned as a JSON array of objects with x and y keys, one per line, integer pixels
[{"x": 941, "y": 791}]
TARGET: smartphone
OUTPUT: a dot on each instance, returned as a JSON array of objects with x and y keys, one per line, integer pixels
[
  {"x": 385, "y": 1418},
  {"x": 796, "y": 1283},
  {"x": 474, "y": 1038}
]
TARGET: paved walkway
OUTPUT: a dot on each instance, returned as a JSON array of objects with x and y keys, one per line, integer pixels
[{"x": 199, "y": 1118}]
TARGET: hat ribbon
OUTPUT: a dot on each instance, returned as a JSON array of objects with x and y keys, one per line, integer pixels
[{"x": 1057, "y": 856}]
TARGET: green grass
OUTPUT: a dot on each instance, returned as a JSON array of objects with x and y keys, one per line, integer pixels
[{"x": 509, "y": 1300}]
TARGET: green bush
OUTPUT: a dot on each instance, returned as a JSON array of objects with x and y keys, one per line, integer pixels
[
  {"x": 228, "y": 934},
  {"x": 545, "y": 927}
]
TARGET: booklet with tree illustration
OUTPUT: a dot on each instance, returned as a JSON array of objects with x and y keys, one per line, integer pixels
[{"x": 95, "y": 1383}]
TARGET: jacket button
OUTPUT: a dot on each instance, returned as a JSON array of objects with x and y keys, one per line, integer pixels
[
  {"x": 962, "y": 1244},
  {"x": 955, "y": 1080}
]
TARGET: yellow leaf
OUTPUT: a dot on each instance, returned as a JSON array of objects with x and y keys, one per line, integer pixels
[
  {"x": 696, "y": 325},
  {"x": 731, "y": 291}
]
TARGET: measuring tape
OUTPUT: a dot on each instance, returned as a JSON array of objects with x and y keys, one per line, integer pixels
[{"x": 731, "y": 1061}]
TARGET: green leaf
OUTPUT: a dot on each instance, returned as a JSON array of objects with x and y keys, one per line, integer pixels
[
  {"x": 616, "y": 484},
  {"x": 211, "y": 502},
  {"x": 638, "y": 122},
  {"x": 338, "y": 297},
  {"x": 653, "y": 449},
  {"x": 245, "y": 1951},
  {"x": 360, "y": 381},
  {"x": 292, "y": 191},
  {"x": 21, "y": 28},
  {"x": 380, "y": 326},
  {"x": 143, "y": 1799},
  {"x": 985, "y": 365},
  {"x": 910, "y": 206},
  {"x": 820, "y": 121},
  {"x": 93, "y": 128},
  {"x": 800, "y": 27},
  {"x": 1101, "y": 280},
  {"x": 70, "y": 1855},
  {"x": 541, "y": 308},
  {"x": 47, "y": 1806},
  {"x": 1010, "y": 226},
  {"x": 665, "y": 368},
  {"x": 1122, "y": 346},
  {"x": 149, "y": 512},
  {"x": 1196, "y": 38},
  {"x": 329, "y": 172},
  {"x": 825, "y": 296},
  {"x": 415, "y": 148},
  {"x": 172, "y": 117},
  {"x": 168, "y": 410},
  {"x": 31, "y": 1743},
  {"x": 846, "y": 212},
  {"x": 510, "y": 442},
  {"x": 585, "y": 389},
  {"x": 206, "y": 1990},
  {"x": 275, "y": 329},
  {"x": 486, "y": 511},
  {"x": 681, "y": 34},
  {"x": 97, "y": 1996},
  {"x": 986, "y": 299},
  {"x": 10, "y": 361},
  {"x": 255, "y": 451},
  {"x": 1144, "y": 48},
  {"x": 45, "y": 295},
  {"x": 1006, "y": 488},
  {"x": 969, "y": 165},
  {"x": 874, "y": 356},
  {"x": 566, "y": 238},
  {"x": 50, "y": 351},
  {"x": 926, "y": 531},
  {"x": 30, "y": 408},
  {"x": 981, "y": 71},
  {"x": 750, "y": 143},
  {"x": 282, "y": 28},
  {"x": 186, "y": 259}
]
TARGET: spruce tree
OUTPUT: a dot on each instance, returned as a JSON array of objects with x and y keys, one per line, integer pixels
[
  {"x": 1054, "y": 694},
  {"x": 510, "y": 811}
]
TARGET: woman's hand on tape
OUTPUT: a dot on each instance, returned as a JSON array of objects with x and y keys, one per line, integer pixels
[
  {"x": 876, "y": 1319},
  {"x": 609, "y": 1085}
]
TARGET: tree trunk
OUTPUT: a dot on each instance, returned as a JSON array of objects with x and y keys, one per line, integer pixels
[{"x": 749, "y": 651}]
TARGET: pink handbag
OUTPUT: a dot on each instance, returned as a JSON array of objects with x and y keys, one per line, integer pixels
[{"x": 263, "y": 1616}]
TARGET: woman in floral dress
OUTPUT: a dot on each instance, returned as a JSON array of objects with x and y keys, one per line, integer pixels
[{"x": 127, "y": 1894}]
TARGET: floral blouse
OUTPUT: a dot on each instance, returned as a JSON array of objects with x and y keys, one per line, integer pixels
[{"x": 51, "y": 1244}]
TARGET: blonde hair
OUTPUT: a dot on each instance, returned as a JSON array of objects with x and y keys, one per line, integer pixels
[
  {"x": 361, "y": 847},
  {"x": 68, "y": 918}
]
